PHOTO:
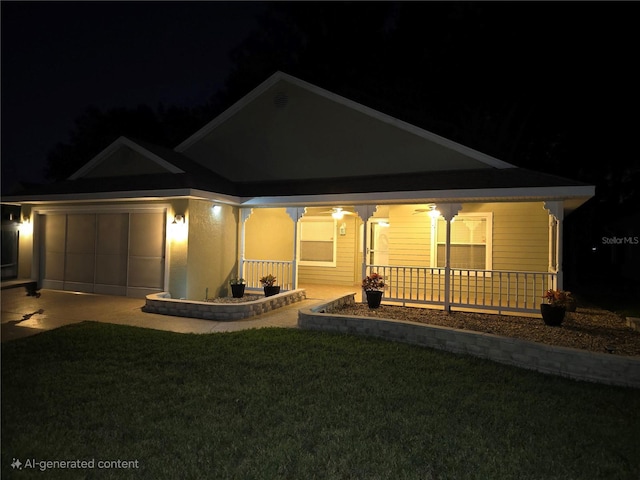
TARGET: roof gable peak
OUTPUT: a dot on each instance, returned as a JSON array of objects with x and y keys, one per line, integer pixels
[
  {"x": 282, "y": 76},
  {"x": 123, "y": 142}
]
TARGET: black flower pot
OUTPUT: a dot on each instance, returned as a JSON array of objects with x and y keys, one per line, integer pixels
[
  {"x": 374, "y": 297},
  {"x": 270, "y": 291},
  {"x": 552, "y": 314},
  {"x": 237, "y": 291}
]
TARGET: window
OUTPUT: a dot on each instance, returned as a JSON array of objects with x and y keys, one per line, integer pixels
[
  {"x": 470, "y": 242},
  {"x": 317, "y": 241}
]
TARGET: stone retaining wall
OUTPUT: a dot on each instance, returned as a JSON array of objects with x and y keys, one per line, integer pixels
[
  {"x": 568, "y": 362},
  {"x": 162, "y": 303}
]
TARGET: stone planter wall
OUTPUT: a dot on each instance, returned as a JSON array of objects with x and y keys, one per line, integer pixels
[
  {"x": 163, "y": 304},
  {"x": 568, "y": 362}
]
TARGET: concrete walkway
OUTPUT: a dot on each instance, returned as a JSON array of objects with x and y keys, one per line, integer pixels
[{"x": 23, "y": 316}]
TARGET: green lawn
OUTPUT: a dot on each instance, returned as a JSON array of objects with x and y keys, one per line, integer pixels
[{"x": 284, "y": 403}]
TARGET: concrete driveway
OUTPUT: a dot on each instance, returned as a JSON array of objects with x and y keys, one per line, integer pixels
[{"x": 24, "y": 316}]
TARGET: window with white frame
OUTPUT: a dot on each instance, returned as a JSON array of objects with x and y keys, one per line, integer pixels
[
  {"x": 470, "y": 242},
  {"x": 317, "y": 241}
]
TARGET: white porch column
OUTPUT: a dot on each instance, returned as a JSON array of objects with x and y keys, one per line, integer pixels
[
  {"x": 296, "y": 214},
  {"x": 556, "y": 217},
  {"x": 245, "y": 213},
  {"x": 448, "y": 211},
  {"x": 365, "y": 212}
]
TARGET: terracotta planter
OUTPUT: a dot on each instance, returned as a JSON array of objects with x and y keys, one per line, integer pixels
[
  {"x": 270, "y": 291},
  {"x": 237, "y": 291},
  {"x": 552, "y": 314},
  {"x": 374, "y": 297}
]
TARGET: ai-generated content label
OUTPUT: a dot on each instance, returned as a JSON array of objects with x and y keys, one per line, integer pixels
[{"x": 73, "y": 464}]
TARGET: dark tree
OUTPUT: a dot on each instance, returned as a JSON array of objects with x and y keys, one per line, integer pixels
[{"x": 96, "y": 129}]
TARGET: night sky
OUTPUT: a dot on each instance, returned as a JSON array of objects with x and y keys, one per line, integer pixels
[
  {"x": 571, "y": 63},
  {"x": 60, "y": 58}
]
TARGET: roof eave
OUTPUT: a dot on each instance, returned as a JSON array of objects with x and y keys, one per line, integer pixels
[
  {"x": 574, "y": 196},
  {"x": 577, "y": 195},
  {"x": 124, "y": 196}
]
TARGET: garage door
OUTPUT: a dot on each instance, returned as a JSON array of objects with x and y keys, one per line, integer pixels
[{"x": 120, "y": 253}]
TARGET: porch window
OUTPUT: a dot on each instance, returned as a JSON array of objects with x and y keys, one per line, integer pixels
[
  {"x": 317, "y": 241},
  {"x": 470, "y": 242}
]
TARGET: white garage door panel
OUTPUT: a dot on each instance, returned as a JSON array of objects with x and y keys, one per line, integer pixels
[
  {"x": 110, "y": 253},
  {"x": 79, "y": 268},
  {"x": 147, "y": 235},
  {"x": 111, "y": 269},
  {"x": 145, "y": 272},
  {"x": 54, "y": 231}
]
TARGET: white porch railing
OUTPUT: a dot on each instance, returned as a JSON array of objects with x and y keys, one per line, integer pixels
[
  {"x": 254, "y": 270},
  {"x": 496, "y": 290}
]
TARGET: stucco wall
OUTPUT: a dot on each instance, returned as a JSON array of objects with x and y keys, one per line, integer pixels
[
  {"x": 177, "y": 247},
  {"x": 212, "y": 249}
]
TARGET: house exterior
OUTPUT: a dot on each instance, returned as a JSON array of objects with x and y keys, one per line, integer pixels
[{"x": 312, "y": 187}]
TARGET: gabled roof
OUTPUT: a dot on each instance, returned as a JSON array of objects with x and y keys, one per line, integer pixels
[
  {"x": 288, "y": 129},
  {"x": 286, "y": 143},
  {"x": 154, "y": 164}
]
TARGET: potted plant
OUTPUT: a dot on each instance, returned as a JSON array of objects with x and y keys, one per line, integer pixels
[
  {"x": 268, "y": 283},
  {"x": 237, "y": 287},
  {"x": 554, "y": 310},
  {"x": 373, "y": 286}
]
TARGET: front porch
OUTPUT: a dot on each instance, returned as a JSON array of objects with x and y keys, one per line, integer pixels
[{"x": 497, "y": 257}]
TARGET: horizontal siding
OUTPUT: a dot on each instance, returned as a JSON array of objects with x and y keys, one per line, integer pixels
[
  {"x": 409, "y": 236},
  {"x": 520, "y": 236},
  {"x": 346, "y": 255}
]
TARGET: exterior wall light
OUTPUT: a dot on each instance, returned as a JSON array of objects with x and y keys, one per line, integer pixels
[
  {"x": 178, "y": 229},
  {"x": 26, "y": 227},
  {"x": 216, "y": 209}
]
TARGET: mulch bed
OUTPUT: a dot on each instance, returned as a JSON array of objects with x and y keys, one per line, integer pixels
[{"x": 590, "y": 329}]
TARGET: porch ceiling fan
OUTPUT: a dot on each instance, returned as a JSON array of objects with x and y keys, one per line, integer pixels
[
  {"x": 337, "y": 212},
  {"x": 431, "y": 210}
]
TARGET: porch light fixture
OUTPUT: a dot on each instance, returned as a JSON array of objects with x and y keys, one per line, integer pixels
[
  {"x": 216, "y": 209},
  {"x": 178, "y": 219}
]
